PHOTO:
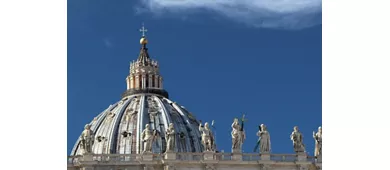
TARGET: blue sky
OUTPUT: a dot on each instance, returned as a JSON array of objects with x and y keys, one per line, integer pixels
[{"x": 216, "y": 65}]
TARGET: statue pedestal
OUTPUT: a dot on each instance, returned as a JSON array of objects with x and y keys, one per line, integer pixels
[
  {"x": 87, "y": 157},
  {"x": 170, "y": 156},
  {"x": 301, "y": 157},
  {"x": 147, "y": 156},
  {"x": 265, "y": 156},
  {"x": 319, "y": 158},
  {"x": 237, "y": 156},
  {"x": 208, "y": 155},
  {"x": 236, "y": 151}
]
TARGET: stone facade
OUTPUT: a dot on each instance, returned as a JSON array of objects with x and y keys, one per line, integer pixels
[{"x": 192, "y": 161}]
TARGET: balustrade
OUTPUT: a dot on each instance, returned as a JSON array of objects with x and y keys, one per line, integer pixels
[{"x": 221, "y": 157}]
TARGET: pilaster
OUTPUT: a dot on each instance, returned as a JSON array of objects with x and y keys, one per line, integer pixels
[
  {"x": 156, "y": 81},
  {"x": 137, "y": 85},
  {"x": 128, "y": 82},
  {"x": 131, "y": 82},
  {"x": 143, "y": 81},
  {"x": 150, "y": 81},
  {"x": 161, "y": 84}
]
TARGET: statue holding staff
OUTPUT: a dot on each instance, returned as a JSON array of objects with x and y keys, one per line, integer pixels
[
  {"x": 148, "y": 136},
  {"x": 238, "y": 134},
  {"x": 318, "y": 139},
  {"x": 207, "y": 137}
]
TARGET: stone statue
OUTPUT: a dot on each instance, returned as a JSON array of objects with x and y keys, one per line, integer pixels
[
  {"x": 170, "y": 138},
  {"x": 297, "y": 139},
  {"x": 238, "y": 136},
  {"x": 207, "y": 137},
  {"x": 318, "y": 138},
  {"x": 148, "y": 136},
  {"x": 87, "y": 139},
  {"x": 264, "y": 139}
]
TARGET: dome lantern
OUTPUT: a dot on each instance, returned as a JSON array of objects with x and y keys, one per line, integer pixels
[{"x": 144, "y": 74}]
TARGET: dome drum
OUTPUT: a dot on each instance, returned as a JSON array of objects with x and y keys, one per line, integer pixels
[{"x": 135, "y": 91}]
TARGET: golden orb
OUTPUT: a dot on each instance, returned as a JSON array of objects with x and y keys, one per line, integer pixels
[{"x": 143, "y": 40}]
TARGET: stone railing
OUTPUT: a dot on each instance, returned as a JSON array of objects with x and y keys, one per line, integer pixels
[{"x": 189, "y": 157}]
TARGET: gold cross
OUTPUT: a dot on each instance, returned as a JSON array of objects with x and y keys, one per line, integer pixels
[{"x": 143, "y": 30}]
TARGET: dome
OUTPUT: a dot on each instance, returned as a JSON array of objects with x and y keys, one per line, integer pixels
[{"x": 117, "y": 129}]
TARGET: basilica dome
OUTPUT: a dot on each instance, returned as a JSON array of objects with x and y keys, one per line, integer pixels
[{"x": 117, "y": 130}]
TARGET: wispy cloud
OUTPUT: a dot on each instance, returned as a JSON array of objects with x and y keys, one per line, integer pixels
[{"x": 284, "y": 14}]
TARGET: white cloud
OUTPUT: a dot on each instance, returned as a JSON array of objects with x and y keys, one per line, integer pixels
[{"x": 285, "y": 14}]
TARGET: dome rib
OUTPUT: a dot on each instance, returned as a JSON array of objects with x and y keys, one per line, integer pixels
[
  {"x": 140, "y": 123},
  {"x": 157, "y": 124},
  {"x": 106, "y": 130},
  {"x": 166, "y": 120},
  {"x": 114, "y": 130},
  {"x": 179, "y": 127},
  {"x": 124, "y": 144},
  {"x": 164, "y": 111}
]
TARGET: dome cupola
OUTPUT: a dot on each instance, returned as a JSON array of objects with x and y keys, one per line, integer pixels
[{"x": 118, "y": 129}]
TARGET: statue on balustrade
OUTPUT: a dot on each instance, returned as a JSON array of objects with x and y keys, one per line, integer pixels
[
  {"x": 170, "y": 137},
  {"x": 297, "y": 139},
  {"x": 318, "y": 139},
  {"x": 87, "y": 139},
  {"x": 148, "y": 136},
  {"x": 238, "y": 136},
  {"x": 264, "y": 139},
  {"x": 207, "y": 137}
]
